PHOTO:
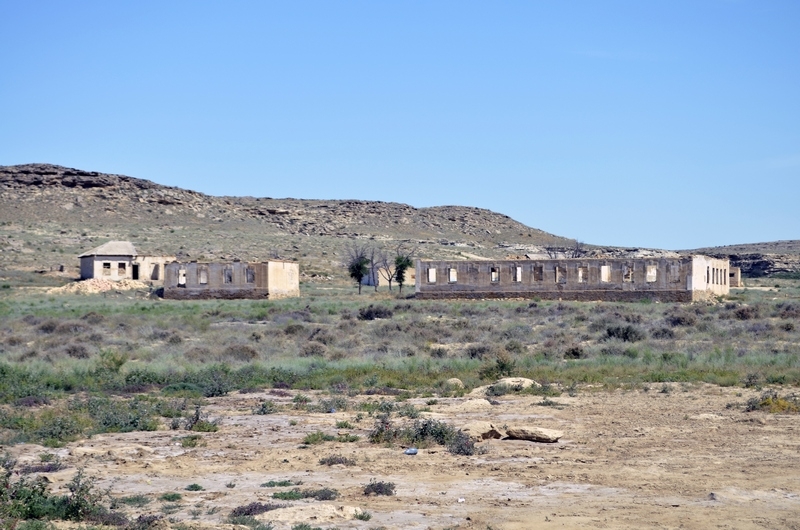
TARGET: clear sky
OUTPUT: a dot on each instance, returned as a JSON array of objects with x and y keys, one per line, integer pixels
[{"x": 670, "y": 124}]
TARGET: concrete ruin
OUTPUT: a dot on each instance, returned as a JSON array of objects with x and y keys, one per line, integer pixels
[
  {"x": 680, "y": 279},
  {"x": 232, "y": 280},
  {"x": 119, "y": 260}
]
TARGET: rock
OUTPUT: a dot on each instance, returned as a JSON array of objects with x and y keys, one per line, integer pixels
[
  {"x": 518, "y": 381},
  {"x": 482, "y": 430},
  {"x": 454, "y": 382},
  {"x": 533, "y": 434}
]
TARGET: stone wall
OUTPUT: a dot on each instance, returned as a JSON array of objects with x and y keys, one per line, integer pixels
[{"x": 233, "y": 280}]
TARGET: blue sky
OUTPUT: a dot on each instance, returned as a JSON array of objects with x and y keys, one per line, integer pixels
[{"x": 671, "y": 124}]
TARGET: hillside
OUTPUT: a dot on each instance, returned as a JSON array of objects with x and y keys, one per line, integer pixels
[
  {"x": 50, "y": 214},
  {"x": 780, "y": 258}
]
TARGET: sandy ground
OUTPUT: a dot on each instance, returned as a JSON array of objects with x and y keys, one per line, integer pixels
[{"x": 628, "y": 459}]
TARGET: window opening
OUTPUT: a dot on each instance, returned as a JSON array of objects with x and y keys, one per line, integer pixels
[
  {"x": 431, "y": 275},
  {"x": 135, "y": 271},
  {"x": 227, "y": 275},
  {"x": 120, "y": 269},
  {"x": 106, "y": 268},
  {"x": 583, "y": 274},
  {"x": 651, "y": 273},
  {"x": 627, "y": 274},
  {"x": 182, "y": 278},
  {"x": 250, "y": 274},
  {"x": 725, "y": 276},
  {"x": 538, "y": 273},
  {"x": 452, "y": 275},
  {"x": 495, "y": 274},
  {"x": 202, "y": 275},
  {"x": 605, "y": 273},
  {"x": 517, "y": 274},
  {"x": 561, "y": 274},
  {"x": 156, "y": 272}
]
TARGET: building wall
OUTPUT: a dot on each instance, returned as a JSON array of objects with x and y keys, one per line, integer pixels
[
  {"x": 283, "y": 279},
  {"x": 231, "y": 280},
  {"x": 735, "y": 276},
  {"x": 109, "y": 267},
  {"x": 709, "y": 277},
  {"x": 667, "y": 279}
]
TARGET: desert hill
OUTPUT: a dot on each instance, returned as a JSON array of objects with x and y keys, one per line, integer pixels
[{"x": 49, "y": 214}]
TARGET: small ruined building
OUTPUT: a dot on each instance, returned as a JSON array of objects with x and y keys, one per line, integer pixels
[
  {"x": 235, "y": 279},
  {"x": 119, "y": 260},
  {"x": 683, "y": 279}
]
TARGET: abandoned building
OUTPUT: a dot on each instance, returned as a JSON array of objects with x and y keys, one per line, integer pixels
[
  {"x": 119, "y": 260},
  {"x": 235, "y": 279},
  {"x": 683, "y": 279}
]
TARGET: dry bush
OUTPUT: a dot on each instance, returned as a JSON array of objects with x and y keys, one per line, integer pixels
[
  {"x": 70, "y": 327},
  {"x": 313, "y": 349},
  {"x": 324, "y": 336},
  {"x": 240, "y": 352},
  {"x": 198, "y": 354},
  {"x": 77, "y": 351}
]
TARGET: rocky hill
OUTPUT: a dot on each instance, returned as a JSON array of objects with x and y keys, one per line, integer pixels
[
  {"x": 781, "y": 258},
  {"x": 50, "y": 214}
]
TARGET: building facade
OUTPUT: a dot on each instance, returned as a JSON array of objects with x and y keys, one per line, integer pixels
[
  {"x": 231, "y": 280},
  {"x": 682, "y": 279},
  {"x": 119, "y": 260}
]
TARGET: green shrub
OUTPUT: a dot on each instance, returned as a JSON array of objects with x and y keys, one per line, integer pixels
[
  {"x": 281, "y": 483},
  {"x": 266, "y": 407},
  {"x": 379, "y": 488},
  {"x": 194, "y": 487}
]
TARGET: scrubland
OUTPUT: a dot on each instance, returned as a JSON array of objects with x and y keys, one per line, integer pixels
[{"x": 336, "y": 378}]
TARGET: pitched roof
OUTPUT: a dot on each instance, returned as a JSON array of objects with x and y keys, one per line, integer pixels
[{"x": 112, "y": 248}]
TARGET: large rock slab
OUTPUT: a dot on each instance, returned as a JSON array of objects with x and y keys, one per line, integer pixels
[
  {"x": 533, "y": 434},
  {"x": 518, "y": 382},
  {"x": 483, "y": 430}
]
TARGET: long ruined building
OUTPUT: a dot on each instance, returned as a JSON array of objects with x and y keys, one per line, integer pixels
[
  {"x": 680, "y": 279},
  {"x": 232, "y": 280}
]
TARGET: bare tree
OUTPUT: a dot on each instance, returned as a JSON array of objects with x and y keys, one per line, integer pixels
[{"x": 386, "y": 266}]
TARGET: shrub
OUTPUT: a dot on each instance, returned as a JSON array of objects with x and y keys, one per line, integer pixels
[
  {"x": 266, "y": 407},
  {"x": 323, "y": 494},
  {"x": 477, "y": 351},
  {"x": 363, "y": 515},
  {"x": 681, "y": 319},
  {"x": 462, "y": 444},
  {"x": 137, "y": 501},
  {"x": 574, "y": 352},
  {"x": 769, "y": 401},
  {"x": 373, "y": 312},
  {"x": 254, "y": 508},
  {"x": 318, "y": 437},
  {"x": 337, "y": 460},
  {"x": 171, "y": 497},
  {"x": 662, "y": 333},
  {"x": 194, "y": 487},
  {"x": 746, "y": 313},
  {"x": 379, "y": 488},
  {"x": 313, "y": 349},
  {"x": 624, "y": 333},
  {"x": 240, "y": 352}
]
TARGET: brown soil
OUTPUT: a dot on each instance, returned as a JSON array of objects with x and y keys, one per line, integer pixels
[{"x": 628, "y": 459}]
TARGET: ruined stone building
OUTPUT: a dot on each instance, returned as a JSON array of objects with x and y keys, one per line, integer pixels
[
  {"x": 682, "y": 279},
  {"x": 119, "y": 260},
  {"x": 235, "y": 279}
]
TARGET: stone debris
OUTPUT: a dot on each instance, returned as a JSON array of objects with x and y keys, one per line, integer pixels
[
  {"x": 97, "y": 285},
  {"x": 513, "y": 382},
  {"x": 533, "y": 434},
  {"x": 483, "y": 430}
]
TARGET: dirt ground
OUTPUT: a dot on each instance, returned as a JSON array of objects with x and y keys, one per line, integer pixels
[{"x": 670, "y": 457}]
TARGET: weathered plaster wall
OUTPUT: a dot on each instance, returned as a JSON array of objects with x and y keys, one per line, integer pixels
[
  {"x": 667, "y": 279},
  {"x": 231, "y": 280},
  {"x": 283, "y": 279}
]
